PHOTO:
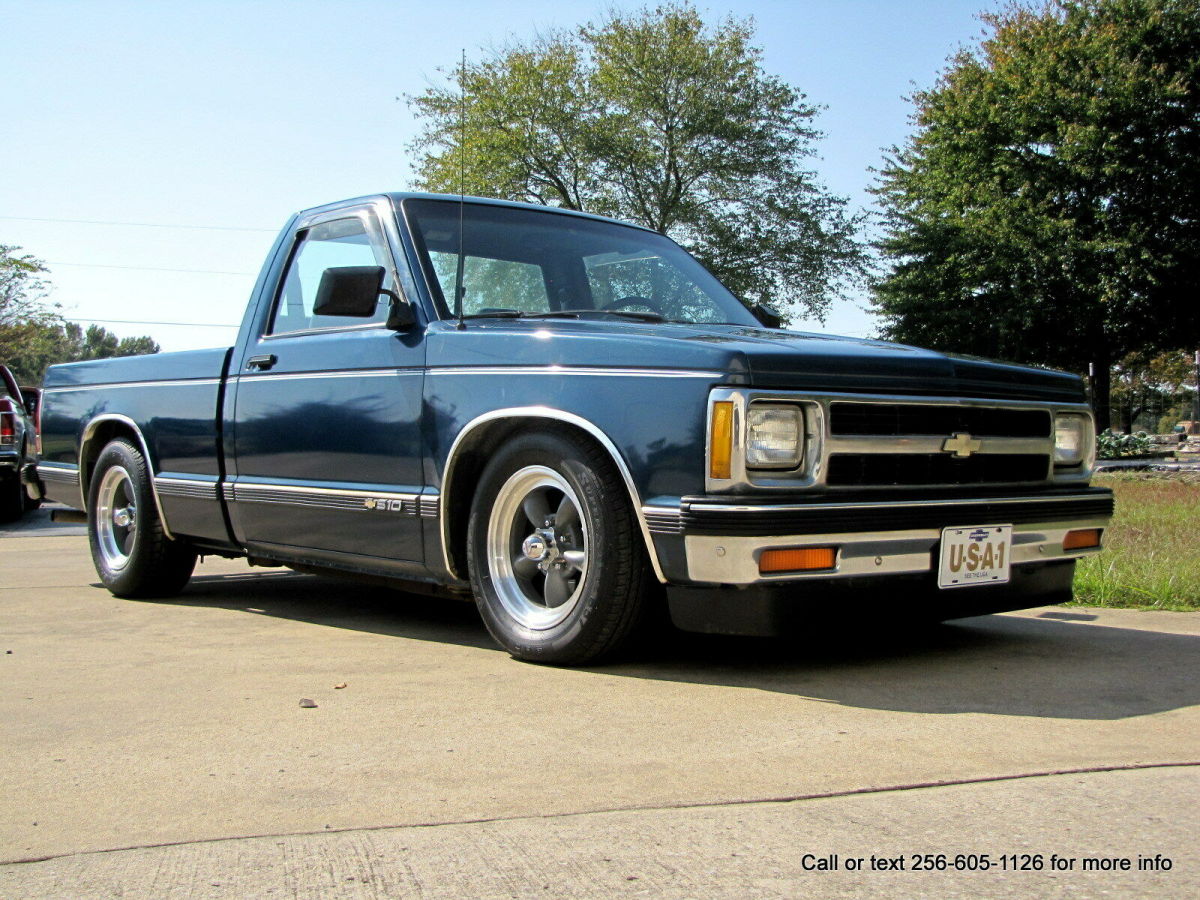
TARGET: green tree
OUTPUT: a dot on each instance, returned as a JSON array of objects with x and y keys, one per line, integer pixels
[
  {"x": 655, "y": 118},
  {"x": 1045, "y": 209},
  {"x": 33, "y": 332},
  {"x": 1148, "y": 388},
  {"x": 27, "y": 319}
]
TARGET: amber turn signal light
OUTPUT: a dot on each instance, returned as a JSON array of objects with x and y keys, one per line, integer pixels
[
  {"x": 1082, "y": 539},
  {"x": 720, "y": 442},
  {"x": 797, "y": 559}
]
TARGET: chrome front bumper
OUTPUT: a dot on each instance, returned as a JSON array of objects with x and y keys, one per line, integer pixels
[{"x": 722, "y": 541}]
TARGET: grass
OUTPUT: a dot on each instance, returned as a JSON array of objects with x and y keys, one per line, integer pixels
[{"x": 1151, "y": 558}]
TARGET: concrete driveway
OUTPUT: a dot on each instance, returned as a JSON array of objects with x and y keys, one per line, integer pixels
[{"x": 160, "y": 749}]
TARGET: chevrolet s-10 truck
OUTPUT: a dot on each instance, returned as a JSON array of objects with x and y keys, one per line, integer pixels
[{"x": 601, "y": 425}]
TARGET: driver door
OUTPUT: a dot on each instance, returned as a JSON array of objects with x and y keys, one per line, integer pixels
[{"x": 327, "y": 444}]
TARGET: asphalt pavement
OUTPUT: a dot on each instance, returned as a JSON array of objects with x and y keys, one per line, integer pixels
[{"x": 156, "y": 749}]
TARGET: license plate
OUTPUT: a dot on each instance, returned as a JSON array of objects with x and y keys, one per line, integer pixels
[{"x": 978, "y": 554}]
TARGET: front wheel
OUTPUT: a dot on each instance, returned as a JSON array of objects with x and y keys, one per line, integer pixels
[
  {"x": 133, "y": 555},
  {"x": 557, "y": 564}
]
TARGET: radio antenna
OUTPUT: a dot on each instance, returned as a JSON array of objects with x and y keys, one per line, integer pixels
[{"x": 459, "y": 288}]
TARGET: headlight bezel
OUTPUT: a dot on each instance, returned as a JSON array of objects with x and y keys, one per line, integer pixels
[{"x": 800, "y": 474}]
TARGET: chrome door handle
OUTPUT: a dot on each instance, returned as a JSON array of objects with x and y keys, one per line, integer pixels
[{"x": 262, "y": 363}]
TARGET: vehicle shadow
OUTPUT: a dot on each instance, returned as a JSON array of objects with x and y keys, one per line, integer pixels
[
  {"x": 1056, "y": 665},
  {"x": 339, "y": 603}
]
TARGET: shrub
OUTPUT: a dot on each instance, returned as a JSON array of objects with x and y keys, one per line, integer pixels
[{"x": 1110, "y": 445}]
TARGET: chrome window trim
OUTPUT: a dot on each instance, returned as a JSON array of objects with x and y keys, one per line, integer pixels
[
  {"x": 403, "y": 211},
  {"x": 378, "y": 218},
  {"x": 89, "y": 433},
  {"x": 821, "y": 444},
  {"x": 330, "y": 329},
  {"x": 544, "y": 412}
]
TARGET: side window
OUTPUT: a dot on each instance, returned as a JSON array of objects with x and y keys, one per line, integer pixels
[
  {"x": 341, "y": 242},
  {"x": 492, "y": 283}
]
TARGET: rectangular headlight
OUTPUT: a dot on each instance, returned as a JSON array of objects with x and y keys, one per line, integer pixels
[
  {"x": 774, "y": 436},
  {"x": 1072, "y": 432}
]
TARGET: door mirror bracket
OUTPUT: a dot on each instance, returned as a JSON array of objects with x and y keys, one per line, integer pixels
[{"x": 400, "y": 312}]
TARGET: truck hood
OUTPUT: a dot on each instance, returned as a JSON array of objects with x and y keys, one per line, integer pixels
[
  {"x": 787, "y": 359},
  {"x": 766, "y": 358}
]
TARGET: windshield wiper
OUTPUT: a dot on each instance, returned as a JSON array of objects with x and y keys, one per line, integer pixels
[
  {"x": 635, "y": 314},
  {"x": 496, "y": 314}
]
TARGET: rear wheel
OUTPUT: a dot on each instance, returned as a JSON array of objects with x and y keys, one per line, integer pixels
[
  {"x": 30, "y": 501},
  {"x": 557, "y": 565},
  {"x": 12, "y": 497},
  {"x": 132, "y": 554}
]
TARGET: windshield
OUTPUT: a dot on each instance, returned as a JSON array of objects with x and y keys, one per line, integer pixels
[{"x": 529, "y": 263}]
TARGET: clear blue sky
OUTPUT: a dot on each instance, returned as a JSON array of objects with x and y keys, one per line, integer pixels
[{"x": 236, "y": 114}]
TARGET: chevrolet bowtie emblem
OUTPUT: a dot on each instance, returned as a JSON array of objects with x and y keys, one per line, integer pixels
[{"x": 962, "y": 445}]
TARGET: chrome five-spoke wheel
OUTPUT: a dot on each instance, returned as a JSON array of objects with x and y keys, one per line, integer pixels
[
  {"x": 116, "y": 517},
  {"x": 537, "y": 547}
]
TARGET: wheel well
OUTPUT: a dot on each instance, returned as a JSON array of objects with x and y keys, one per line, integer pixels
[
  {"x": 104, "y": 433},
  {"x": 476, "y": 451}
]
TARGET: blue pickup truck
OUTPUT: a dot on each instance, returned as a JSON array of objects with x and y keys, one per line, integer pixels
[{"x": 570, "y": 419}]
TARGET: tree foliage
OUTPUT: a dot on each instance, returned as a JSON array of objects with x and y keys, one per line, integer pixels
[
  {"x": 1045, "y": 210},
  {"x": 655, "y": 118},
  {"x": 1153, "y": 391},
  {"x": 22, "y": 289},
  {"x": 33, "y": 332}
]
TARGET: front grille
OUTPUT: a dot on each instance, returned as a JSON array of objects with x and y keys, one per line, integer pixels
[
  {"x": 914, "y": 469},
  {"x": 847, "y": 418}
]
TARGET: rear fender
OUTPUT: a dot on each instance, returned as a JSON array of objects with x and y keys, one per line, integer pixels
[{"x": 96, "y": 435}]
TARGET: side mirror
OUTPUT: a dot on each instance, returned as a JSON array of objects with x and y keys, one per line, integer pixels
[
  {"x": 349, "y": 291},
  {"x": 767, "y": 315}
]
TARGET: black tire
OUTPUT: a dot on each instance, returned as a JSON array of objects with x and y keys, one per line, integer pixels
[
  {"x": 31, "y": 502},
  {"x": 132, "y": 554},
  {"x": 585, "y": 596},
  {"x": 12, "y": 497}
]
